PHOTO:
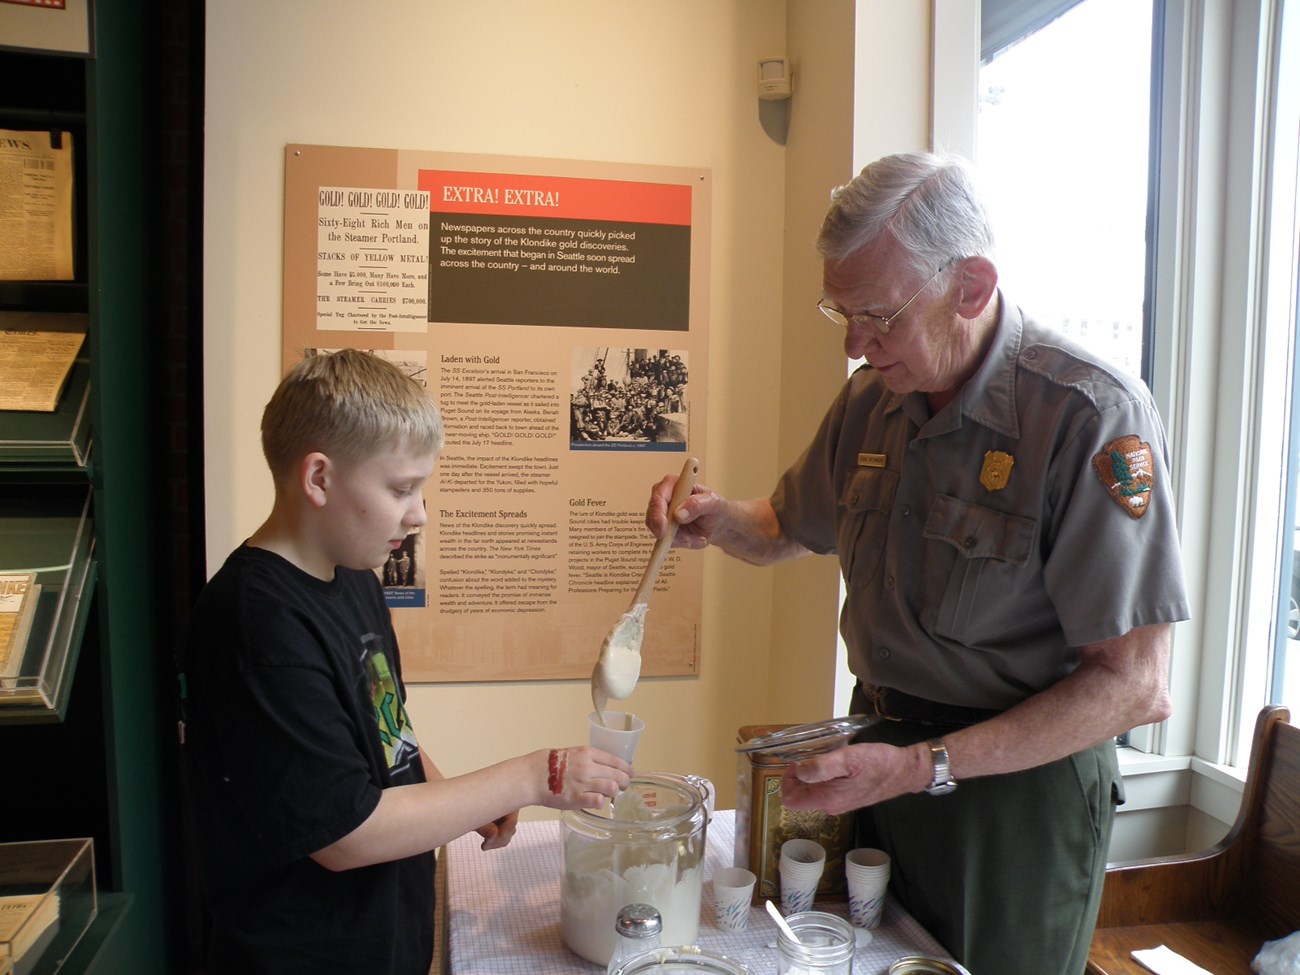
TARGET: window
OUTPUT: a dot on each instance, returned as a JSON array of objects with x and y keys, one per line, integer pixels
[
  {"x": 1062, "y": 148},
  {"x": 1069, "y": 106},
  {"x": 1282, "y": 670}
]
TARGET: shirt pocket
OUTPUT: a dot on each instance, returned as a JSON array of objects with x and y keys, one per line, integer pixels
[
  {"x": 992, "y": 549},
  {"x": 865, "y": 503}
]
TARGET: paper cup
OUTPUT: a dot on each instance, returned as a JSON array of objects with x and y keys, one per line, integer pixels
[
  {"x": 618, "y": 736},
  {"x": 733, "y": 891},
  {"x": 802, "y": 863},
  {"x": 867, "y": 872},
  {"x": 803, "y": 858},
  {"x": 797, "y": 898}
]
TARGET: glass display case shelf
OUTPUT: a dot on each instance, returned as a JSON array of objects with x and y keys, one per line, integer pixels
[
  {"x": 60, "y": 296},
  {"x": 33, "y": 442},
  {"x": 47, "y": 902},
  {"x": 91, "y": 950},
  {"x": 46, "y": 535}
]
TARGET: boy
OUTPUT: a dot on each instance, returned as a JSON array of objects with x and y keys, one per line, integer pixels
[{"x": 316, "y": 809}]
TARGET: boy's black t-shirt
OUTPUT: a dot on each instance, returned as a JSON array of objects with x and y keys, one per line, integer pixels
[{"x": 295, "y": 722}]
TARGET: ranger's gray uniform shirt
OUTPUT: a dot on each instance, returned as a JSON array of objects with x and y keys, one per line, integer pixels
[{"x": 979, "y": 594}]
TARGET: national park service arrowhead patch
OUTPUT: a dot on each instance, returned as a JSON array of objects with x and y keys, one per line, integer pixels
[{"x": 1127, "y": 472}]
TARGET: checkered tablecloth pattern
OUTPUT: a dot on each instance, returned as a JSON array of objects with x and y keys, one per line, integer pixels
[{"x": 504, "y": 911}]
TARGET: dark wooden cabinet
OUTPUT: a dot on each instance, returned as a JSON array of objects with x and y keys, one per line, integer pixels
[{"x": 102, "y": 763}]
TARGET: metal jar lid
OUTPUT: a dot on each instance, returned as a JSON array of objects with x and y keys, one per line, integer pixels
[
  {"x": 685, "y": 960},
  {"x": 638, "y": 921},
  {"x": 923, "y": 965}
]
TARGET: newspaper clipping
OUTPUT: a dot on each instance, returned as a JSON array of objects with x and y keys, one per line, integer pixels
[{"x": 36, "y": 194}]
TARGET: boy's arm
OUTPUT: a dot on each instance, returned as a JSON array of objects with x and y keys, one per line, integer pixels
[
  {"x": 414, "y": 819},
  {"x": 497, "y": 833}
]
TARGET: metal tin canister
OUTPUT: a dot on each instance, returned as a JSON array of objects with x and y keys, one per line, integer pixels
[
  {"x": 763, "y": 823},
  {"x": 923, "y": 965}
]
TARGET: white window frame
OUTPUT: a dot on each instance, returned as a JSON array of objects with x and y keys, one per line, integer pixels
[
  {"x": 1209, "y": 352},
  {"x": 1207, "y": 355}
]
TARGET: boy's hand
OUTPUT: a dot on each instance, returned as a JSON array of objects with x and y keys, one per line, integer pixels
[
  {"x": 499, "y": 832},
  {"x": 583, "y": 777}
]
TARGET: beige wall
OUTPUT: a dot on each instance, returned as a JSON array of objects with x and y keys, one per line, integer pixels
[{"x": 670, "y": 82}]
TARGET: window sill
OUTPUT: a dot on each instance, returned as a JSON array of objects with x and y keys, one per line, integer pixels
[
  {"x": 1134, "y": 762},
  {"x": 1217, "y": 789},
  {"x": 1162, "y": 781},
  {"x": 1154, "y": 781}
]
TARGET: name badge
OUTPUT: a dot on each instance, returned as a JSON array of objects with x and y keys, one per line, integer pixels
[{"x": 871, "y": 460}]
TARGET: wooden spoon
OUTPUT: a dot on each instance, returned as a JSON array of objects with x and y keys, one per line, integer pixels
[{"x": 619, "y": 664}]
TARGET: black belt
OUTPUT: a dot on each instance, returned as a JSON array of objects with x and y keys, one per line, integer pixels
[{"x": 894, "y": 705}]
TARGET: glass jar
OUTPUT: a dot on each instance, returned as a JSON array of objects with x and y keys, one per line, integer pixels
[
  {"x": 647, "y": 847},
  {"x": 687, "y": 960},
  {"x": 826, "y": 944}
]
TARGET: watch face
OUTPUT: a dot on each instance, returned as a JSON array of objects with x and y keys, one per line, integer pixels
[{"x": 802, "y": 741}]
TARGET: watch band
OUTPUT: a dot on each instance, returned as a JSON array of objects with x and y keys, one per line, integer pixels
[{"x": 943, "y": 782}]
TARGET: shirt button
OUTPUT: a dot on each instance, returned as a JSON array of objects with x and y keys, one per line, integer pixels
[
  {"x": 889, "y": 582},
  {"x": 906, "y": 510},
  {"x": 970, "y": 541},
  {"x": 883, "y": 653}
]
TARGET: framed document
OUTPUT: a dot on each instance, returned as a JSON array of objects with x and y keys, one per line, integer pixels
[
  {"x": 49, "y": 26},
  {"x": 36, "y": 205}
]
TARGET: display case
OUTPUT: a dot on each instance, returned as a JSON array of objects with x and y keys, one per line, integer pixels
[
  {"x": 47, "y": 903},
  {"x": 81, "y": 503},
  {"x": 47, "y": 538},
  {"x": 50, "y": 442},
  {"x": 54, "y": 441}
]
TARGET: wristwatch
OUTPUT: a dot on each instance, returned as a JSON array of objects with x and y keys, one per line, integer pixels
[{"x": 943, "y": 782}]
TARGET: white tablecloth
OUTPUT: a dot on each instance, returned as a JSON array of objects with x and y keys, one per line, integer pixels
[{"x": 503, "y": 911}]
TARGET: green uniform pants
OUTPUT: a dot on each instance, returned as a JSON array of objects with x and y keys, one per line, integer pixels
[{"x": 1007, "y": 871}]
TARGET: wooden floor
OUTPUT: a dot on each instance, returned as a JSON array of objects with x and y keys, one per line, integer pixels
[{"x": 1217, "y": 946}]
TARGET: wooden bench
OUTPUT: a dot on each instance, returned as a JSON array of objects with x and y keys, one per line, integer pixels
[{"x": 1218, "y": 907}]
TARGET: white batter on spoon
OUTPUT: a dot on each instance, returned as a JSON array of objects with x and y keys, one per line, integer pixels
[{"x": 619, "y": 664}]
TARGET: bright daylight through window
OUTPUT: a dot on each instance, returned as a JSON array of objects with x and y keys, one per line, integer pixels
[
  {"x": 1063, "y": 149},
  {"x": 1063, "y": 145},
  {"x": 1282, "y": 320}
]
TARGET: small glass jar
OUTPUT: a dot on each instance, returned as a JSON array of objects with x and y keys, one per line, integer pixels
[
  {"x": 636, "y": 930},
  {"x": 826, "y": 944},
  {"x": 686, "y": 960}
]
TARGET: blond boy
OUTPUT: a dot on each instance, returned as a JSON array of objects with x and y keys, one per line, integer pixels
[{"x": 316, "y": 808}]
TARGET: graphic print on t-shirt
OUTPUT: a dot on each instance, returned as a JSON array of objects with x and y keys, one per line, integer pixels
[{"x": 395, "y": 730}]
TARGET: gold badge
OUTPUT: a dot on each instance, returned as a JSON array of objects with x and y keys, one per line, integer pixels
[
  {"x": 1127, "y": 472},
  {"x": 871, "y": 460},
  {"x": 997, "y": 470}
]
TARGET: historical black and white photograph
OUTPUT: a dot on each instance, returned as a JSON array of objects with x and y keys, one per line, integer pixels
[{"x": 622, "y": 398}]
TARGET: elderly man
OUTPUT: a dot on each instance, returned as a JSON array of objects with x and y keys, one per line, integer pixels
[{"x": 999, "y": 502}]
